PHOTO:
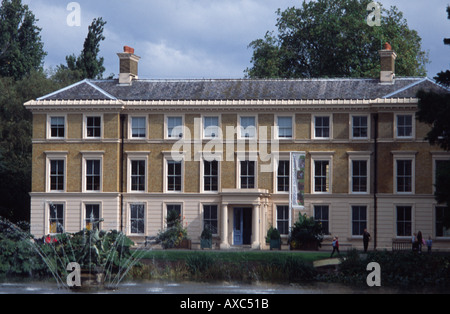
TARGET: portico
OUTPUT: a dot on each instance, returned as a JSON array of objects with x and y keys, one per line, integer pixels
[{"x": 243, "y": 215}]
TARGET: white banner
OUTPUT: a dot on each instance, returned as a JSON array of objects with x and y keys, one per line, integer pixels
[{"x": 297, "y": 179}]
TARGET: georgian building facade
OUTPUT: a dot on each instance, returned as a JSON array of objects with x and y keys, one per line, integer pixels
[{"x": 120, "y": 154}]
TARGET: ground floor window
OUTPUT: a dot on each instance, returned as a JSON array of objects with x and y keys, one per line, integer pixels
[
  {"x": 283, "y": 219},
  {"x": 442, "y": 221},
  {"x": 137, "y": 221},
  {"x": 210, "y": 218},
  {"x": 56, "y": 221},
  {"x": 321, "y": 214},
  {"x": 404, "y": 221},
  {"x": 92, "y": 216},
  {"x": 173, "y": 214},
  {"x": 359, "y": 220}
]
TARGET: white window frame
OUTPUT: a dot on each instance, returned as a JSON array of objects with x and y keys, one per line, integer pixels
[
  {"x": 313, "y": 211},
  {"x": 352, "y": 126},
  {"x": 92, "y": 115},
  {"x": 166, "y": 126},
  {"x": 168, "y": 157},
  {"x": 83, "y": 213},
  {"x": 130, "y": 127},
  {"x": 141, "y": 156},
  {"x": 49, "y": 126},
  {"x": 396, "y": 205},
  {"x": 277, "y": 131},
  {"x": 405, "y": 155},
  {"x": 129, "y": 218},
  {"x": 322, "y": 156},
  {"x": 247, "y": 156},
  {"x": 202, "y": 174},
  {"x": 367, "y": 206},
  {"x": 91, "y": 155},
  {"x": 49, "y": 156},
  {"x": 219, "y": 126},
  {"x": 413, "y": 125},
  {"x": 313, "y": 126},
  {"x": 289, "y": 217},
  {"x": 202, "y": 213},
  {"x": 280, "y": 156},
  {"x": 47, "y": 216},
  {"x": 358, "y": 156},
  {"x": 165, "y": 211},
  {"x": 240, "y": 128}
]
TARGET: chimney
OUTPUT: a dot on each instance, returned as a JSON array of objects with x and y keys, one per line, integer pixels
[
  {"x": 128, "y": 66},
  {"x": 387, "y": 59}
]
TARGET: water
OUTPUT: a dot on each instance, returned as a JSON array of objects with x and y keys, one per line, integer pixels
[{"x": 193, "y": 288}]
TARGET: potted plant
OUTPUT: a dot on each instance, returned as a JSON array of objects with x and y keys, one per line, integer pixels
[
  {"x": 306, "y": 234},
  {"x": 275, "y": 239},
  {"x": 206, "y": 238}
]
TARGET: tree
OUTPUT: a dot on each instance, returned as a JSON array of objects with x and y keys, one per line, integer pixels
[
  {"x": 21, "y": 48},
  {"x": 87, "y": 64},
  {"x": 444, "y": 77},
  {"x": 329, "y": 38}
]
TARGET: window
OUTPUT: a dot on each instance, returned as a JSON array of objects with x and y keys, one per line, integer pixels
[
  {"x": 175, "y": 127},
  {"x": 404, "y": 125},
  {"x": 92, "y": 216},
  {"x": 359, "y": 176},
  {"x": 359, "y": 220},
  {"x": 210, "y": 218},
  {"x": 322, "y": 127},
  {"x": 210, "y": 175},
  {"x": 284, "y": 127},
  {"x": 360, "y": 129},
  {"x": 137, "y": 219},
  {"x": 248, "y": 127},
  {"x": 321, "y": 175},
  {"x": 56, "y": 218},
  {"x": 93, "y": 127},
  {"x": 210, "y": 127},
  {"x": 93, "y": 175},
  {"x": 442, "y": 221},
  {"x": 174, "y": 175},
  {"x": 57, "y": 127},
  {"x": 247, "y": 174},
  {"x": 283, "y": 219},
  {"x": 404, "y": 176},
  {"x": 283, "y": 176},
  {"x": 173, "y": 214},
  {"x": 56, "y": 175},
  {"x": 137, "y": 175},
  {"x": 321, "y": 214},
  {"x": 404, "y": 221},
  {"x": 138, "y": 127}
]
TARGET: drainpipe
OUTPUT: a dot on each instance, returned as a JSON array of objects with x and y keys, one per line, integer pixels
[
  {"x": 121, "y": 163},
  {"x": 375, "y": 181}
]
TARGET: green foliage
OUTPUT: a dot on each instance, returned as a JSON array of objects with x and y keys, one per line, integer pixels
[
  {"x": 306, "y": 230},
  {"x": 199, "y": 263},
  {"x": 331, "y": 38},
  {"x": 21, "y": 48},
  {"x": 206, "y": 234},
  {"x": 174, "y": 233},
  {"x": 272, "y": 234}
]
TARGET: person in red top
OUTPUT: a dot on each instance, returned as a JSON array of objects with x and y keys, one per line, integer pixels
[{"x": 335, "y": 246}]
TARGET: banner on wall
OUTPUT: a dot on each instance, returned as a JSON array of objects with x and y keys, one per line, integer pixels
[{"x": 297, "y": 179}]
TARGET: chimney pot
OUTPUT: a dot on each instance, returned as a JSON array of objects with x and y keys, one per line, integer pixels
[
  {"x": 387, "y": 46},
  {"x": 128, "y": 70},
  {"x": 128, "y": 49}
]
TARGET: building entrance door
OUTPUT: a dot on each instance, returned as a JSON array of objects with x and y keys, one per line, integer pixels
[{"x": 242, "y": 226}]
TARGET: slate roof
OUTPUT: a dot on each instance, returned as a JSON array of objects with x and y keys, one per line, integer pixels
[{"x": 243, "y": 89}]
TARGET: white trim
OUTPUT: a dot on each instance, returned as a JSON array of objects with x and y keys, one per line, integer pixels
[
  {"x": 49, "y": 156},
  {"x": 49, "y": 127},
  {"x": 413, "y": 125},
  {"x": 165, "y": 203},
  {"x": 84, "y": 132},
  {"x": 240, "y": 129},
  {"x": 202, "y": 171},
  {"x": 276, "y": 131},
  {"x": 358, "y": 156},
  {"x": 128, "y": 218},
  {"x": 413, "y": 220},
  {"x": 351, "y": 127},
  {"x": 167, "y": 158},
  {"x": 322, "y": 156},
  {"x": 166, "y": 125},
  {"x": 313, "y": 126},
  {"x": 83, "y": 212},
  {"x": 407, "y": 156},
  {"x": 139, "y": 156},
  {"x": 91, "y": 155},
  {"x": 87, "y": 81},
  {"x": 246, "y": 156},
  {"x": 219, "y": 126},
  {"x": 130, "y": 127}
]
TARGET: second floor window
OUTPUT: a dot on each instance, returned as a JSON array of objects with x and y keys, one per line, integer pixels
[
  {"x": 360, "y": 127},
  {"x": 210, "y": 127},
  {"x": 57, "y": 127},
  {"x": 93, "y": 175},
  {"x": 138, "y": 127},
  {"x": 404, "y": 125},
  {"x": 322, "y": 127},
  {"x": 93, "y": 127},
  {"x": 285, "y": 127},
  {"x": 174, "y": 127},
  {"x": 248, "y": 127}
]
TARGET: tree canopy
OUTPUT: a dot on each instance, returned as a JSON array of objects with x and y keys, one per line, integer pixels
[{"x": 331, "y": 38}]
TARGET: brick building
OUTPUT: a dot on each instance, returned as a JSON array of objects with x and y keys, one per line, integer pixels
[{"x": 119, "y": 154}]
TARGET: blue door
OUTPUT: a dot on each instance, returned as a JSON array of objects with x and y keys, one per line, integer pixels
[{"x": 238, "y": 226}]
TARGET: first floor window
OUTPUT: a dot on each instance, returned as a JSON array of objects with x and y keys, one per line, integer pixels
[
  {"x": 359, "y": 220},
  {"x": 93, "y": 175},
  {"x": 173, "y": 214},
  {"x": 247, "y": 174},
  {"x": 210, "y": 218},
  {"x": 404, "y": 221},
  {"x": 174, "y": 175},
  {"x": 137, "y": 225},
  {"x": 138, "y": 175},
  {"x": 321, "y": 214},
  {"x": 283, "y": 176},
  {"x": 56, "y": 220},
  {"x": 404, "y": 175},
  {"x": 321, "y": 176},
  {"x": 57, "y": 175},
  {"x": 92, "y": 216},
  {"x": 210, "y": 175},
  {"x": 283, "y": 219},
  {"x": 442, "y": 221},
  {"x": 359, "y": 176}
]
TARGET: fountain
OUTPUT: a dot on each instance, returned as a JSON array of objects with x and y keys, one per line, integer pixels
[{"x": 87, "y": 260}]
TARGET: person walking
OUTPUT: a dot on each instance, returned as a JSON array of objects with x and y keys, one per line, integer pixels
[
  {"x": 366, "y": 238},
  {"x": 335, "y": 245},
  {"x": 429, "y": 244},
  {"x": 419, "y": 241}
]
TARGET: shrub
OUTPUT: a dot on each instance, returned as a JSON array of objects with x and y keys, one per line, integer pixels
[
  {"x": 174, "y": 233},
  {"x": 305, "y": 233}
]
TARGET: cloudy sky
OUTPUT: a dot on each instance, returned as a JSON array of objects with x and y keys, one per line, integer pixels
[{"x": 195, "y": 39}]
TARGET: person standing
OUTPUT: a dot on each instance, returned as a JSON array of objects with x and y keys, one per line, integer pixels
[
  {"x": 429, "y": 244},
  {"x": 366, "y": 238},
  {"x": 335, "y": 245},
  {"x": 419, "y": 241}
]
